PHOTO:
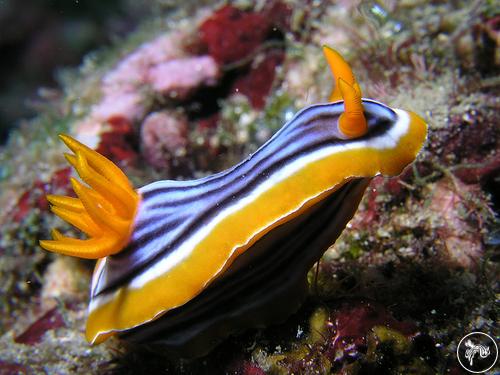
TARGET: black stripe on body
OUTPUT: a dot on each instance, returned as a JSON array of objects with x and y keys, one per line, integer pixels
[
  {"x": 193, "y": 204},
  {"x": 376, "y": 114},
  {"x": 261, "y": 288}
]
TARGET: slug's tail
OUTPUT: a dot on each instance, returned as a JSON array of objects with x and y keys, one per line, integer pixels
[{"x": 104, "y": 208}]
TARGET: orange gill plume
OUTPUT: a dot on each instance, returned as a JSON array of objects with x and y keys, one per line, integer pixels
[
  {"x": 352, "y": 123},
  {"x": 104, "y": 208}
]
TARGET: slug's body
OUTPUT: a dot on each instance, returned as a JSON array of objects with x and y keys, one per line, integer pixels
[{"x": 208, "y": 257}]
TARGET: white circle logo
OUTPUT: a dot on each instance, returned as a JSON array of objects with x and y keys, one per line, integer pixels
[{"x": 477, "y": 352}]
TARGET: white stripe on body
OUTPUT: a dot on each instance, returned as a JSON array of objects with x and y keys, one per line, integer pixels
[{"x": 387, "y": 140}]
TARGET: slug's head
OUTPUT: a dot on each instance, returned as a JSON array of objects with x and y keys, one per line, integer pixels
[
  {"x": 367, "y": 119},
  {"x": 104, "y": 208},
  {"x": 352, "y": 122}
]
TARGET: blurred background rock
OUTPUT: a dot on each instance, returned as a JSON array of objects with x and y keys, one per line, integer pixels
[{"x": 39, "y": 37}]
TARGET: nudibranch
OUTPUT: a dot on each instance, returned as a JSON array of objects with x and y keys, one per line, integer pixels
[{"x": 186, "y": 263}]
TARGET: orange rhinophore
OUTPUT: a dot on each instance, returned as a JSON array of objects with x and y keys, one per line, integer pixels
[{"x": 352, "y": 123}]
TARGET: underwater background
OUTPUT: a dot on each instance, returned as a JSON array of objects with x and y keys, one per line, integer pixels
[{"x": 414, "y": 271}]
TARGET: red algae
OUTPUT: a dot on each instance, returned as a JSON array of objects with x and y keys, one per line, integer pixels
[
  {"x": 230, "y": 34},
  {"x": 351, "y": 331},
  {"x": 8, "y": 368},
  {"x": 380, "y": 191},
  {"x": 35, "y": 197},
  {"x": 244, "y": 367},
  {"x": 250, "y": 30},
  {"x": 208, "y": 122},
  {"x": 350, "y": 325},
  {"x": 478, "y": 172},
  {"x": 117, "y": 143},
  {"x": 52, "y": 319},
  {"x": 257, "y": 83}
]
